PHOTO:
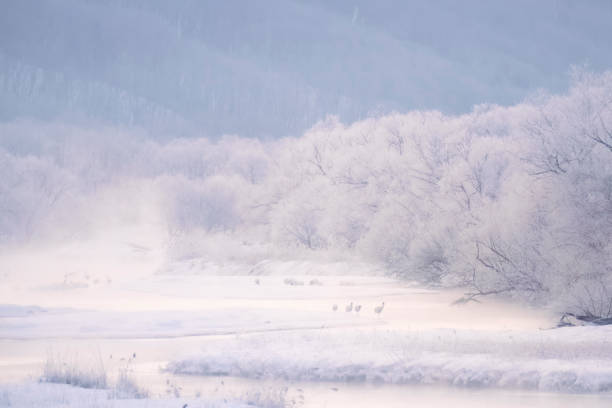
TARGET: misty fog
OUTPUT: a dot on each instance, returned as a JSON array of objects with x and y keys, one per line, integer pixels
[{"x": 305, "y": 203}]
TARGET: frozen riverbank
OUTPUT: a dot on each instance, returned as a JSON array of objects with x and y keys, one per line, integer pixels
[
  {"x": 565, "y": 360},
  {"x": 203, "y": 333}
]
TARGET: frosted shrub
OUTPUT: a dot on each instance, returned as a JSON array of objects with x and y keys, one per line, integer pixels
[
  {"x": 72, "y": 371},
  {"x": 127, "y": 387},
  {"x": 268, "y": 397}
]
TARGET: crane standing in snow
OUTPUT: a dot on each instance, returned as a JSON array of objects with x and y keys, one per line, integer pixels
[
  {"x": 349, "y": 308},
  {"x": 378, "y": 309}
]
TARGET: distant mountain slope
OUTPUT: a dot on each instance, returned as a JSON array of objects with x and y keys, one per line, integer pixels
[{"x": 274, "y": 68}]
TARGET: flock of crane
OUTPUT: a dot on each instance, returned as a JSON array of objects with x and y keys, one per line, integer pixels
[{"x": 350, "y": 307}]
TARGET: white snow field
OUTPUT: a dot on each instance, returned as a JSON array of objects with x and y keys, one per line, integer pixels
[
  {"x": 574, "y": 360},
  {"x": 36, "y": 395},
  {"x": 266, "y": 334}
]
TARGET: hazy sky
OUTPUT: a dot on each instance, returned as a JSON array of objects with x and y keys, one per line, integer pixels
[{"x": 273, "y": 68}]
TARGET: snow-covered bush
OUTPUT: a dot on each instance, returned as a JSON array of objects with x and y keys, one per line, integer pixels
[
  {"x": 90, "y": 372},
  {"x": 126, "y": 386},
  {"x": 268, "y": 397},
  {"x": 74, "y": 371}
]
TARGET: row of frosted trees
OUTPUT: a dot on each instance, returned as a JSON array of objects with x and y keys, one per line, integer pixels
[
  {"x": 510, "y": 201},
  {"x": 514, "y": 201}
]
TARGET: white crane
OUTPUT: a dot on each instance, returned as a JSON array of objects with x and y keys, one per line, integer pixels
[
  {"x": 357, "y": 308},
  {"x": 349, "y": 308},
  {"x": 378, "y": 309}
]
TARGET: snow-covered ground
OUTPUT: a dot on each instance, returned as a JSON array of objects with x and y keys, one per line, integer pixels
[
  {"x": 37, "y": 395},
  {"x": 268, "y": 332},
  {"x": 566, "y": 360}
]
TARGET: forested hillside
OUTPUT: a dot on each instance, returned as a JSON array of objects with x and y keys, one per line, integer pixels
[{"x": 272, "y": 69}]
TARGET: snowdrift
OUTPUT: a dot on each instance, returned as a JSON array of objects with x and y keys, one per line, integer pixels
[{"x": 573, "y": 360}]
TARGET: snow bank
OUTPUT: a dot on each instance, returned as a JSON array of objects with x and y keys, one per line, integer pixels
[
  {"x": 278, "y": 267},
  {"x": 165, "y": 324},
  {"x": 19, "y": 311},
  {"x": 269, "y": 287},
  {"x": 36, "y": 395},
  {"x": 564, "y": 360}
]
